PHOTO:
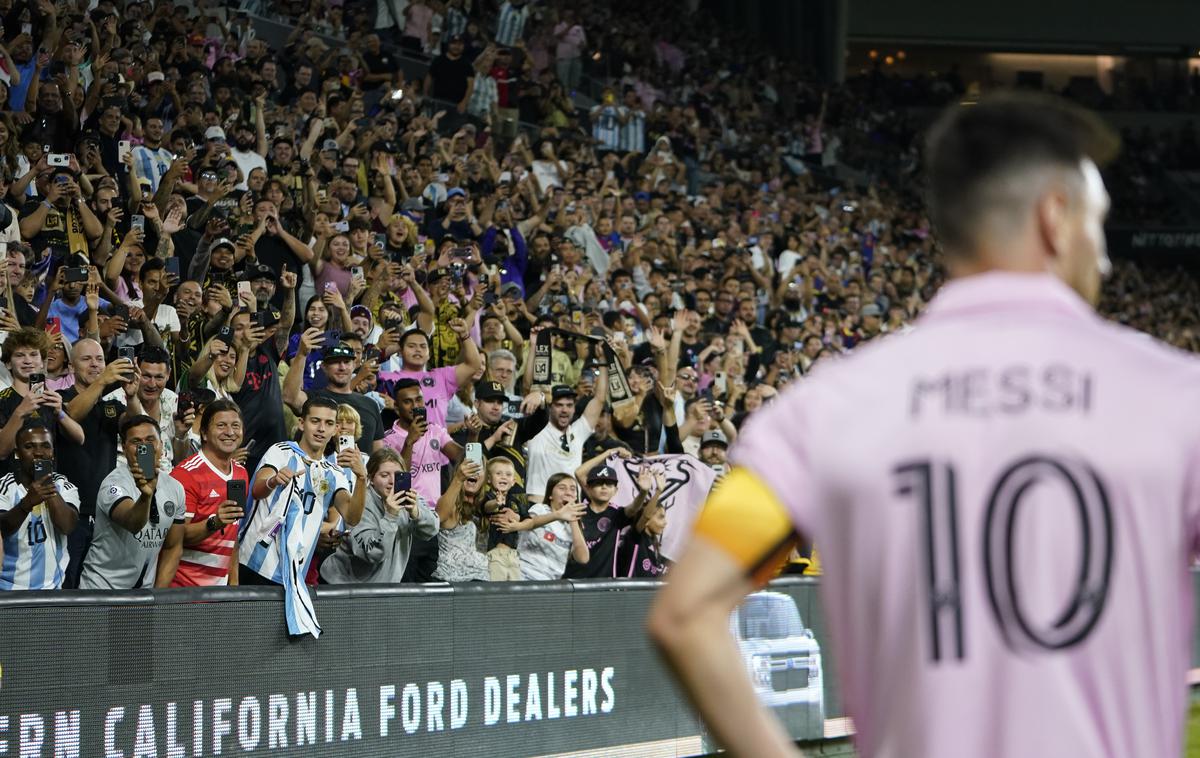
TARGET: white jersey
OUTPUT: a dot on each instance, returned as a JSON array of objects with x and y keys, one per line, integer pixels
[
  {"x": 544, "y": 551},
  {"x": 1005, "y": 502},
  {"x": 553, "y": 452},
  {"x": 35, "y": 556}
]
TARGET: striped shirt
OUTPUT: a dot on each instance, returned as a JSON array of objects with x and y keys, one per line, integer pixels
[
  {"x": 454, "y": 24},
  {"x": 484, "y": 96},
  {"x": 35, "y": 555},
  {"x": 606, "y": 127},
  {"x": 510, "y": 24},
  {"x": 151, "y": 164},
  {"x": 633, "y": 131},
  {"x": 206, "y": 564},
  {"x": 298, "y": 508}
]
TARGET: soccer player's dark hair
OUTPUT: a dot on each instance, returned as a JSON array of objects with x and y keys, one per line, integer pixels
[{"x": 973, "y": 148}]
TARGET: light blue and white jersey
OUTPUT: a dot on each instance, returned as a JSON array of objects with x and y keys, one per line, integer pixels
[
  {"x": 297, "y": 509},
  {"x": 152, "y": 164},
  {"x": 510, "y": 24},
  {"x": 35, "y": 556},
  {"x": 633, "y": 131},
  {"x": 606, "y": 127}
]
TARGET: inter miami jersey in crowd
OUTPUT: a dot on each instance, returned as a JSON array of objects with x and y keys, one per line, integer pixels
[{"x": 35, "y": 556}]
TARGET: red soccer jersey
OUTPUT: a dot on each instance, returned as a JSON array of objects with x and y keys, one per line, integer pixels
[{"x": 207, "y": 563}]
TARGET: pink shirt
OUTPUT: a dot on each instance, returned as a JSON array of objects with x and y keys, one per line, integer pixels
[
  {"x": 437, "y": 387},
  {"x": 570, "y": 44},
  {"x": 427, "y": 458},
  {"x": 1039, "y": 417}
]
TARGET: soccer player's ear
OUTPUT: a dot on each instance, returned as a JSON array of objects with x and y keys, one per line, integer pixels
[{"x": 1053, "y": 217}]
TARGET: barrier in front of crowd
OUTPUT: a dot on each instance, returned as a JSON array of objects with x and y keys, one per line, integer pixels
[
  {"x": 516, "y": 669},
  {"x": 513, "y": 669}
]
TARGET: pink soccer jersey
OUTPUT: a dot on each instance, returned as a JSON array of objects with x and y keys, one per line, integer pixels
[{"x": 1005, "y": 502}]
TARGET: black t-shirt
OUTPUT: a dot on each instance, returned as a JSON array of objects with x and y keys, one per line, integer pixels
[
  {"x": 638, "y": 556},
  {"x": 515, "y": 502},
  {"x": 9, "y": 400},
  {"x": 261, "y": 401},
  {"x": 450, "y": 78},
  {"x": 601, "y": 532},
  {"x": 86, "y": 465},
  {"x": 368, "y": 413},
  {"x": 274, "y": 252},
  {"x": 53, "y": 233},
  {"x": 378, "y": 63}
]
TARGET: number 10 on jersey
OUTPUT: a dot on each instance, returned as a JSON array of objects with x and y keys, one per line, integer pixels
[{"x": 934, "y": 489}]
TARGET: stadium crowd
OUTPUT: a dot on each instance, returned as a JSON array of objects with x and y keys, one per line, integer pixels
[{"x": 282, "y": 316}]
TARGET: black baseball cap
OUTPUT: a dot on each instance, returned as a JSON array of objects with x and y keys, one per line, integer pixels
[
  {"x": 340, "y": 351},
  {"x": 560, "y": 391},
  {"x": 488, "y": 390},
  {"x": 602, "y": 474}
]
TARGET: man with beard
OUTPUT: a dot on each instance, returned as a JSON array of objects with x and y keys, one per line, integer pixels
[
  {"x": 151, "y": 159},
  {"x": 210, "y": 533},
  {"x": 100, "y": 420},
  {"x": 250, "y": 144},
  {"x": 338, "y": 364},
  {"x": 558, "y": 447}
]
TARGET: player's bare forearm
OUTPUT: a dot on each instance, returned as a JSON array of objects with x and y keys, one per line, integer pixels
[{"x": 690, "y": 624}]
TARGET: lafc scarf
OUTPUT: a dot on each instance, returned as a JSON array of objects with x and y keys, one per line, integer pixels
[
  {"x": 76, "y": 239},
  {"x": 618, "y": 385}
]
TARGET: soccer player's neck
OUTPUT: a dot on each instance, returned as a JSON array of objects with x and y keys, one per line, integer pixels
[
  {"x": 311, "y": 449},
  {"x": 1019, "y": 257}
]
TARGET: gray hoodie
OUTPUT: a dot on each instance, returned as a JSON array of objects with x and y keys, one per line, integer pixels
[{"x": 377, "y": 549}]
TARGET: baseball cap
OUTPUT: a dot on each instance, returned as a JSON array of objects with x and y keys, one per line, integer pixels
[
  {"x": 329, "y": 145},
  {"x": 488, "y": 390},
  {"x": 413, "y": 204},
  {"x": 155, "y": 76},
  {"x": 339, "y": 352},
  {"x": 456, "y": 192},
  {"x": 715, "y": 437},
  {"x": 259, "y": 271},
  {"x": 437, "y": 273},
  {"x": 601, "y": 474},
  {"x": 560, "y": 391},
  {"x": 361, "y": 311},
  {"x": 224, "y": 242},
  {"x": 870, "y": 309},
  {"x": 214, "y": 132}
]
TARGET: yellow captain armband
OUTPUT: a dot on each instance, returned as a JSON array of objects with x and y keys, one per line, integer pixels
[{"x": 744, "y": 518}]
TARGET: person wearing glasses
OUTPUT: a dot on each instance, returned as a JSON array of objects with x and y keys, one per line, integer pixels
[{"x": 558, "y": 448}]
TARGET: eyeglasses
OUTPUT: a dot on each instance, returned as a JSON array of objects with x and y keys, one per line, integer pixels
[{"x": 686, "y": 377}]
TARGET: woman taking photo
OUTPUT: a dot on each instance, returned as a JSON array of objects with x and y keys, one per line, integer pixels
[
  {"x": 377, "y": 549},
  {"x": 459, "y": 559}
]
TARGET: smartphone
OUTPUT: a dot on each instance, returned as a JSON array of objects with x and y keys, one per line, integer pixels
[
  {"x": 129, "y": 353},
  {"x": 489, "y": 298},
  {"x": 333, "y": 336},
  {"x": 145, "y": 460},
  {"x": 75, "y": 274},
  {"x": 475, "y": 452},
  {"x": 341, "y": 226},
  {"x": 403, "y": 481},
  {"x": 42, "y": 468},
  {"x": 58, "y": 159},
  {"x": 121, "y": 311},
  {"x": 37, "y": 384},
  {"x": 226, "y": 335},
  {"x": 54, "y": 325},
  {"x": 380, "y": 240},
  {"x": 719, "y": 383},
  {"x": 345, "y": 442},
  {"x": 183, "y": 405},
  {"x": 172, "y": 265},
  {"x": 259, "y": 319},
  {"x": 462, "y": 253},
  {"x": 123, "y": 148},
  {"x": 235, "y": 490},
  {"x": 357, "y": 271},
  {"x": 419, "y": 412},
  {"x": 245, "y": 291},
  {"x": 138, "y": 221}
]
